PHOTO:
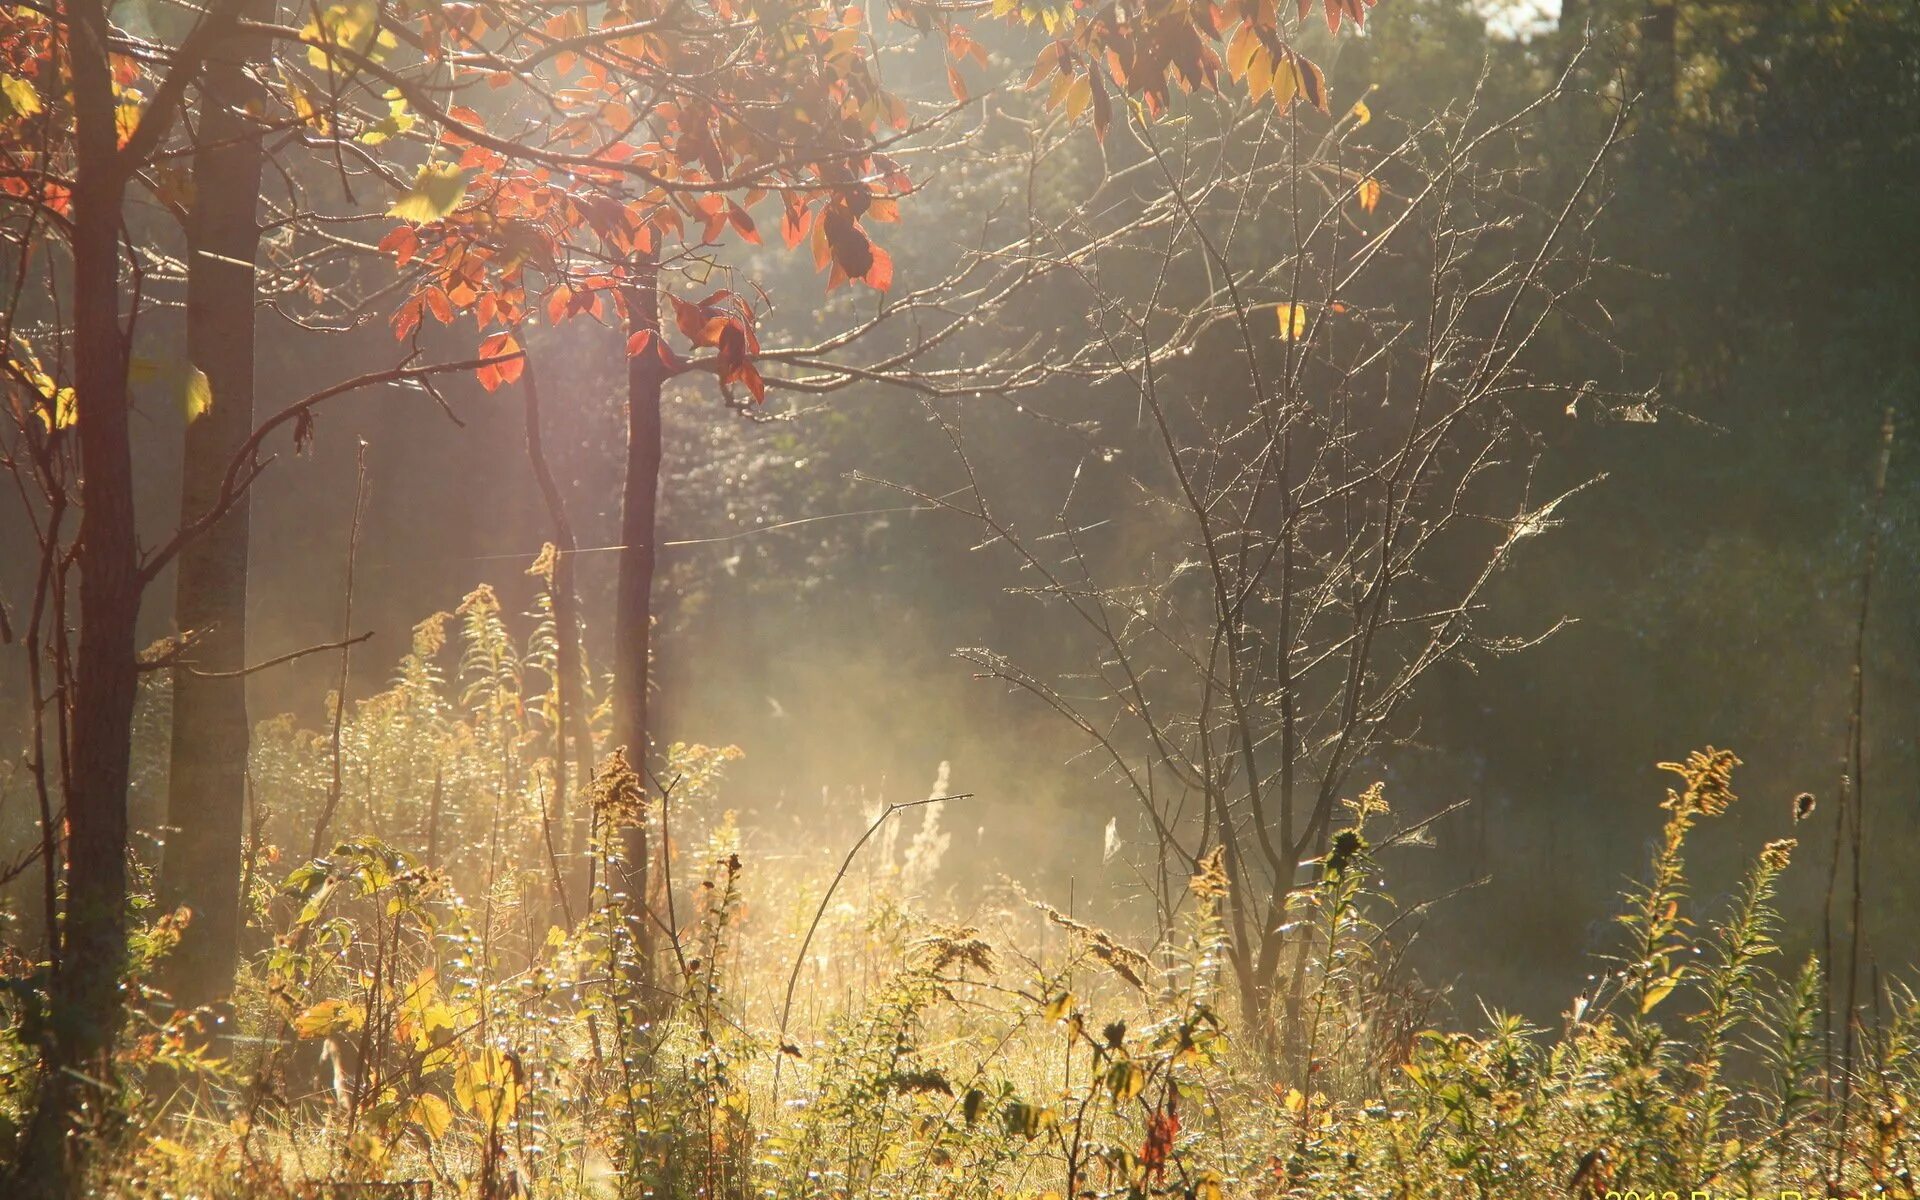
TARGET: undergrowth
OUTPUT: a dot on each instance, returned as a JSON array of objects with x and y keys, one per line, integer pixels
[{"x": 449, "y": 1001}]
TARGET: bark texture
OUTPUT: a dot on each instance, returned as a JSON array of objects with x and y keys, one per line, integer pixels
[{"x": 76, "y": 1076}]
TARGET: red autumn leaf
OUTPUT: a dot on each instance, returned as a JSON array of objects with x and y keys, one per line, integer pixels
[
  {"x": 750, "y": 376},
  {"x": 730, "y": 342},
  {"x": 1102, "y": 106},
  {"x": 794, "y": 222},
  {"x": 501, "y": 346},
  {"x": 406, "y": 320},
  {"x": 880, "y": 275},
  {"x": 1313, "y": 82},
  {"x": 742, "y": 224},
  {"x": 1161, "y": 1128},
  {"x": 403, "y": 243},
  {"x": 852, "y": 251},
  {"x": 691, "y": 318}
]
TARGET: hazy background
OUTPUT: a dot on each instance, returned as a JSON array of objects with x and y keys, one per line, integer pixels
[{"x": 1773, "y": 304}]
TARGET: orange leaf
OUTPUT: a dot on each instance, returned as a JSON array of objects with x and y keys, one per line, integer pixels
[
  {"x": 742, "y": 223},
  {"x": 1293, "y": 321},
  {"x": 689, "y": 317},
  {"x": 406, "y": 320},
  {"x": 403, "y": 243},
  {"x": 880, "y": 274},
  {"x": 500, "y": 345}
]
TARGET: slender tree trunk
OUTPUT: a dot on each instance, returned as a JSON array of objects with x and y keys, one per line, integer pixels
[
  {"x": 1660, "y": 62},
  {"x": 76, "y": 1080},
  {"x": 207, "y": 784},
  {"x": 633, "y": 614},
  {"x": 571, "y": 720}
]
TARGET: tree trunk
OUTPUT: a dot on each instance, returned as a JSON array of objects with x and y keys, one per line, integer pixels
[
  {"x": 76, "y": 1078},
  {"x": 1660, "y": 62},
  {"x": 633, "y": 614},
  {"x": 571, "y": 719},
  {"x": 207, "y": 780}
]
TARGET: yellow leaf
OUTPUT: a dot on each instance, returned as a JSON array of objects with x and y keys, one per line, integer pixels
[
  {"x": 437, "y": 191},
  {"x": 1286, "y": 83},
  {"x": 1059, "y": 1006},
  {"x": 1259, "y": 76},
  {"x": 126, "y": 117},
  {"x": 369, "y": 1150},
  {"x": 1658, "y": 992},
  {"x": 1293, "y": 321},
  {"x": 431, "y": 1114},
  {"x": 1369, "y": 194},
  {"x": 350, "y": 26},
  {"x": 304, "y": 107},
  {"x": 18, "y": 96},
  {"x": 1242, "y": 50},
  {"x": 1294, "y": 1101},
  {"x": 329, "y": 1017},
  {"x": 171, "y": 1148},
  {"x": 1361, "y": 113},
  {"x": 486, "y": 1086},
  {"x": 66, "y": 408},
  {"x": 198, "y": 396},
  {"x": 1079, "y": 95},
  {"x": 397, "y": 121},
  {"x": 422, "y": 1015},
  {"x": 58, "y": 408}
]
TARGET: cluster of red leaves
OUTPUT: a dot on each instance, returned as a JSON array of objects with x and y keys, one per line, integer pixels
[
  {"x": 723, "y": 323},
  {"x": 666, "y": 134},
  {"x": 1162, "y": 1128}
]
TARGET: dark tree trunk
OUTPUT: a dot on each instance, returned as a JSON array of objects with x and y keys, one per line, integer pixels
[
  {"x": 207, "y": 780},
  {"x": 1660, "y": 61},
  {"x": 633, "y": 614},
  {"x": 76, "y": 1080}
]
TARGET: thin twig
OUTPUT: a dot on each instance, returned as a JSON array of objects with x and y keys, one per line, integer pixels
[
  {"x": 322, "y": 648},
  {"x": 1851, "y": 816}
]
